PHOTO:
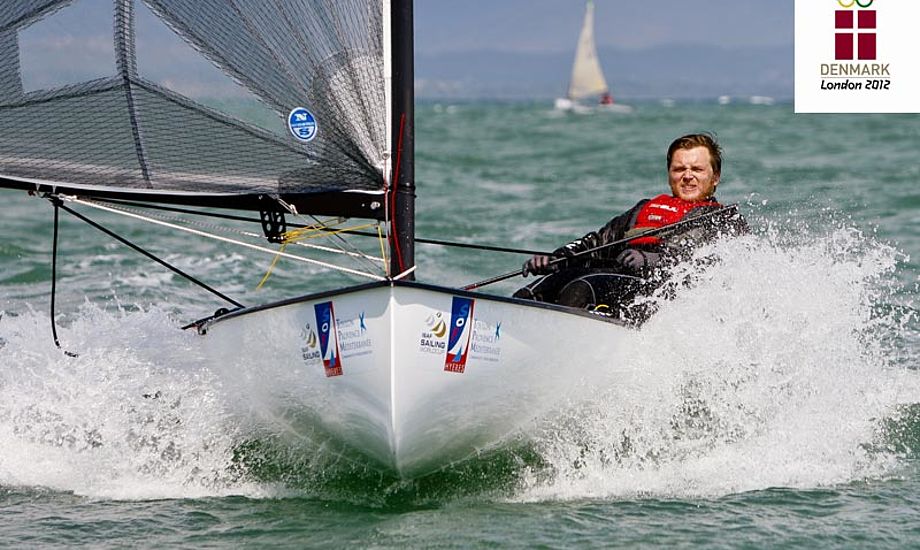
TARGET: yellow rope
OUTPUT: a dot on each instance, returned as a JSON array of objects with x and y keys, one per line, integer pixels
[
  {"x": 312, "y": 232},
  {"x": 383, "y": 250},
  {"x": 271, "y": 267}
]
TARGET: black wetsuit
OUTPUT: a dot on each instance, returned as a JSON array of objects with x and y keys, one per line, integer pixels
[{"x": 597, "y": 281}]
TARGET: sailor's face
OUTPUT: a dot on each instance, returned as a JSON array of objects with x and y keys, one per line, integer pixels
[{"x": 691, "y": 176}]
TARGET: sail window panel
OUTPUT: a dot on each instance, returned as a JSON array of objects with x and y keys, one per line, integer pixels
[
  {"x": 140, "y": 119},
  {"x": 91, "y": 145},
  {"x": 69, "y": 45},
  {"x": 188, "y": 149},
  {"x": 164, "y": 58},
  {"x": 326, "y": 56},
  {"x": 21, "y": 13}
]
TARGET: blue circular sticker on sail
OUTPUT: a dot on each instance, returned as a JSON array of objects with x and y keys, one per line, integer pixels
[{"x": 302, "y": 124}]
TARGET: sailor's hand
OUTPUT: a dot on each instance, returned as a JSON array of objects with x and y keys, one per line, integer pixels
[
  {"x": 539, "y": 265},
  {"x": 637, "y": 260}
]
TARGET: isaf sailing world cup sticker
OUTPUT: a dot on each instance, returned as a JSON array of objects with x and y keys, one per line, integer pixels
[
  {"x": 308, "y": 351},
  {"x": 328, "y": 338},
  {"x": 432, "y": 338}
]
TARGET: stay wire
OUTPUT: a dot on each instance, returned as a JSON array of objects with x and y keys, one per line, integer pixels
[
  {"x": 454, "y": 244},
  {"x": 149, "y": 255}
]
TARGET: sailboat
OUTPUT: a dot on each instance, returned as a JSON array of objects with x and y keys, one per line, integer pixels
[
  {"x": 412, "y": 376},
  {"x": 587, "y": 77}
]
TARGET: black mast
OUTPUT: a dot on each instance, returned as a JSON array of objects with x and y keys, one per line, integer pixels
[{"x": 402, "y": 245}]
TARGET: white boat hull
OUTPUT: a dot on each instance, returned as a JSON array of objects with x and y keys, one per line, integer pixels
[
  {"x": 567, "y": 105},
  {"x": 413, "y": 376}
]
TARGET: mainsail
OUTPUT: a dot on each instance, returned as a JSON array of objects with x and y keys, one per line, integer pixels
[
  {"x": 587, "y": 77},
  {"x": 316, "y": 65}
]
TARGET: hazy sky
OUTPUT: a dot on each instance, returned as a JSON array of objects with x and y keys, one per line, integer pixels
[
  {"x": 75, "y": 44},
  {"x": 553, "y": 25}
]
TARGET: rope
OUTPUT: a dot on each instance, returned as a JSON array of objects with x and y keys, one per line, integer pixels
[
  {"x": 158, "y": 260},
  {"x": 222, "y": 239},
  {"x": 340, "y": 243},
  {"x": 418, "y": 240},
  {"x": 54, "y": 249}
]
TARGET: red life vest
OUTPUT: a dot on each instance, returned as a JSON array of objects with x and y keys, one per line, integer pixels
[{"x": 660, "y": 211}]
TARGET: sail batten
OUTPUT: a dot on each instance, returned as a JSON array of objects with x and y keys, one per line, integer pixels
[{"x": 175, "y": 133}]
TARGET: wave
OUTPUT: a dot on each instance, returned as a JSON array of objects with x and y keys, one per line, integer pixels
[{"x": 785, "y": 359}]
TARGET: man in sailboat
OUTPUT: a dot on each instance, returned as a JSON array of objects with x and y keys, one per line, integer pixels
[{"x": 628, "y": 254}]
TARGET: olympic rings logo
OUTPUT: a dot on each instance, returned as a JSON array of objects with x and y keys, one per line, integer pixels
[{"x": 856, "y": 2}]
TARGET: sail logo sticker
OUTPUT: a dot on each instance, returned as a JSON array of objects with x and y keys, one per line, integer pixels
[
  {"x": 308, "y": 350},
  {"x": 302, "y": 124},
  {"x": 486, "y": 341},
  {"x": 328, "y": 338},
  {"x": 432, "y": 338},
  {"x": 353, "y": 337},
  {"x": 460, "y": 331}
]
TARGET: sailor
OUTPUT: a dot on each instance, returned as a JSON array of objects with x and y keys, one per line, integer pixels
[{"x": 579, "y": 276}]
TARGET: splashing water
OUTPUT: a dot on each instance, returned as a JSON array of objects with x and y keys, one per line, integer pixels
[
  {"x": 130, "y": 416},
  {"x": 779, "y": 365}
]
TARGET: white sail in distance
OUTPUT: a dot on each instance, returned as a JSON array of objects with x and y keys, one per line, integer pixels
[{"x": 587, "y": 76}]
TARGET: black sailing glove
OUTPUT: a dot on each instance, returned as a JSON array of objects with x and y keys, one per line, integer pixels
[
  {"x": 574, "y": 252},
  {"x": 637, "y": 261},
  {"x": 539, "y": 265},
  {"x": 563, "y": 257}
]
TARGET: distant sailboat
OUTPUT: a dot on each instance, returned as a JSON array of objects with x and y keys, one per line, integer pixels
[{"x": 587, "y": 77}]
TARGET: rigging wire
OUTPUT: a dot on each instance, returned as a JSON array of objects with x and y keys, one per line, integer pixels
[
  {"x": 336, "y": 239},
  {"x": 92, "y": 204},
  {"x": 438, "y": 242},
  {"x": 294, "y": 237},
  {"x": 122, "y": 205},
  {"x": 158, "y": 260}
]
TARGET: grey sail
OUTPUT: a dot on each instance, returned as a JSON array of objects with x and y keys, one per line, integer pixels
[{"x": 189, "y": 136}]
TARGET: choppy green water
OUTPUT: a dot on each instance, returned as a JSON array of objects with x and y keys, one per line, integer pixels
[{"x": 775, "y": 402}]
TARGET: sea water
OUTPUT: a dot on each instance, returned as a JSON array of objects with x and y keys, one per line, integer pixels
[{"x": 773, "y": 400}]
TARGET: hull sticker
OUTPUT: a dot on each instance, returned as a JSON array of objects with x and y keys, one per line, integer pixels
[
  {"x": 486, "y": 341},
  {"x": 432, "y": 338},
  {"x": 461, "y": 328},
  {"x": 309, "y": 350},
  {"x": 328, "y": 338},
  {"x": 353, "y": 337}
]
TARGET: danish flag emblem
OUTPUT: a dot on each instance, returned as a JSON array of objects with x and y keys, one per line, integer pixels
[{"x": 854, "y": 28}]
